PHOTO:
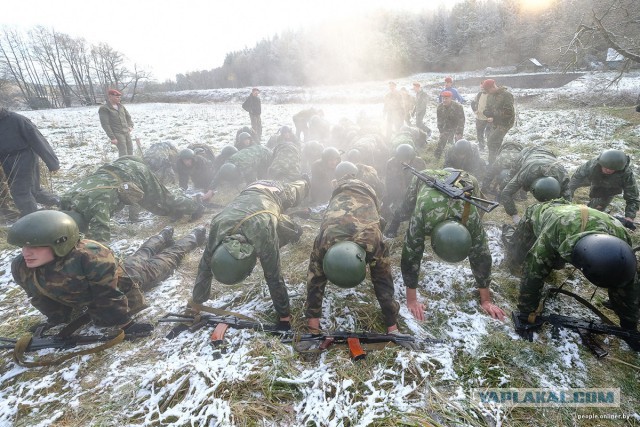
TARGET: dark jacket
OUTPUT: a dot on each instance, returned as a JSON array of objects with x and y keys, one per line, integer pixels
[
  {"x": 18, "y": 133},
  {"x": 253, "y": 105}
]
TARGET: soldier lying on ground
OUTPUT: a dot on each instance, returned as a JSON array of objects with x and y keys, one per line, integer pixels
[
  {"x": 125, "y": 181},
  {"x": 61, "y": 272}
]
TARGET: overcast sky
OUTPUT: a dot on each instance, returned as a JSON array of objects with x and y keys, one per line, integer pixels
[{"x": 173, "y": 36}]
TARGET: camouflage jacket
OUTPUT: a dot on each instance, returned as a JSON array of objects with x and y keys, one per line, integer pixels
[
  {"x": 87, "y": 277},
  {"x": 469, "y": 161},
  {"x": 430, "y": 208},
  {"x": 545, "y": 238},
  {"x": 114, "y": 121},
  {"x": 603, "y": 185},
  {"x": 369, "y": 176},
  {"x": 451, "y": 118},
  {"x": 201, "y": 173},
  {"x": 161, "y": 158},
  {"x": 505, "y": 160},
  {"x": 353, "y": 215},
  {"x": 420, "y": 107},
  {"x": 533, "y": 163},
  {"x": 257, "y": 214},
  {"x": 501, "y": 107},
  {"x": 96, "y": 198},
  {"x": 286, "y": 162},
  {"x": 252, "y": 162}
]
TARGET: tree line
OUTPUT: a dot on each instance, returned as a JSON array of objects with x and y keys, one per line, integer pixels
[
  {"x": 52, "y": 69},
  {"x": 473, "y": 34}
]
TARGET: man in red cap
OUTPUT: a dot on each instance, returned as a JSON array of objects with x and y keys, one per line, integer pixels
[
  {"x": 448, "y": 86},
  {"x": 450, "y": 116},
  {"x": 500, "y": 113},
  {"x": 117, "y": 123}
]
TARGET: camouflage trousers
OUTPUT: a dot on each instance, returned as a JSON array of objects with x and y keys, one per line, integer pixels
[
  {"x": 445, "y": 138},
  {"x": 379, "y": 268},
  {"x": 152, "y": 263},
  {"x": 494, "y": 141}
]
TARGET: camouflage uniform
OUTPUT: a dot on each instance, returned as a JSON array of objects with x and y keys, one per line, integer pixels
[
  {"x": 450, "y": 123},
  {"x": 604, "y": 187},
  {"x": 91, "y": 277},
  {"x": 286, "y": 162},
  {"x": 469, "y": 161},
  {"x": 255, "y": 215},
  {"x": 501, "y": 108},
  {"x": 161, "y": 158},
  {"x": 397, "y": 180},
  {"x": 352, "y": 215},
  {"x": 533, "y": 163},
  {"x": 373, "y": 150},
  {"x": 430, "y": 208},
  {"x": 544, "y": 240},
  {"x": 301, "y": 121},
  {"x": 506, "y": 160},
  {"x": 116, "y": 124},
  {"x": 321, "y": 177},
  {"x": 201, "y": 172},
  {"x": 252, "y": 162},
  {"x": 96, "y": 196}
]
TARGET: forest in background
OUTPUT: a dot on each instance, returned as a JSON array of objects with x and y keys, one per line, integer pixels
[{"x": 51, "y": 69}]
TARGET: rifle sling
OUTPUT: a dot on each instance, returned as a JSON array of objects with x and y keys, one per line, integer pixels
[
  {"x": 23, "y": 343},
  {"x": 218, "y": 311}
]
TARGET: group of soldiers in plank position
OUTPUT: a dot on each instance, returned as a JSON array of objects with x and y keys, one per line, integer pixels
[{"x": 358, "y": 177}]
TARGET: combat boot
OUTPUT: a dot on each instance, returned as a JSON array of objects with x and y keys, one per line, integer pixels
[
  {"x": 167, "y": 235},
  {"x": 198, "y": 212},
  {"x": 200, "y": 233}
]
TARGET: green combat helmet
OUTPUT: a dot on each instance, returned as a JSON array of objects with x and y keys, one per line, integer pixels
[
  {"x": 229, "y": 172},
  {"x": 344, "y": 264},
  {"x": 451, "y": 241},
  {"x": 233, "y": 260},
  {"x": 345, "y": 168},
  {"x": 186, "y": 154},
  {"x": 405, "y": 153},
  {"x": 545, "y": 189},
  {"x": 613, "y": 159},
  {"x": 54, "y": 229},
  {"x": 330, "y": 153},
  {"x": 227, "y": 151},
  {"x": 606, "y": 261}
]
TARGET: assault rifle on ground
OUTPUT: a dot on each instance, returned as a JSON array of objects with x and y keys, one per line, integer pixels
[
  {"x": 447, "y": 187},
  {"x": 314, "y": 342},
  {"x": 38, "y": 341},
  {"x": 584, "y": 327}
]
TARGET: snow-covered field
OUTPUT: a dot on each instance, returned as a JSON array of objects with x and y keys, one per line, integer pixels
[{"x": 259, "y": 381}]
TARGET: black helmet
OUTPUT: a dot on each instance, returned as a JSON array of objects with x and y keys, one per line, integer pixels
[
  {"x": 54, "y": 229},
  {"x": 613, "y": 159},
  {"x": 605, "y": 260},
  {"x": 405, "y": 153},
  {"x": 186, "y": 153},
  {"x": 545, "y": 189},
  {"x": 233, "y": 261},
  {"x": 344, "y": 264},
  {"x": 330, "y": 153},
  {"x": 451, "y": 241},
  {"x": 345, "y": 168}
]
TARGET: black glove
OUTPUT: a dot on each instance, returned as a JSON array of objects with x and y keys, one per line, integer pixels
[
  {"x": 283, "y": 325},
  {"x": 488, "y": 113},
  {"x": 624, "y": 221},
  {"x": 134, "y": 328}
]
